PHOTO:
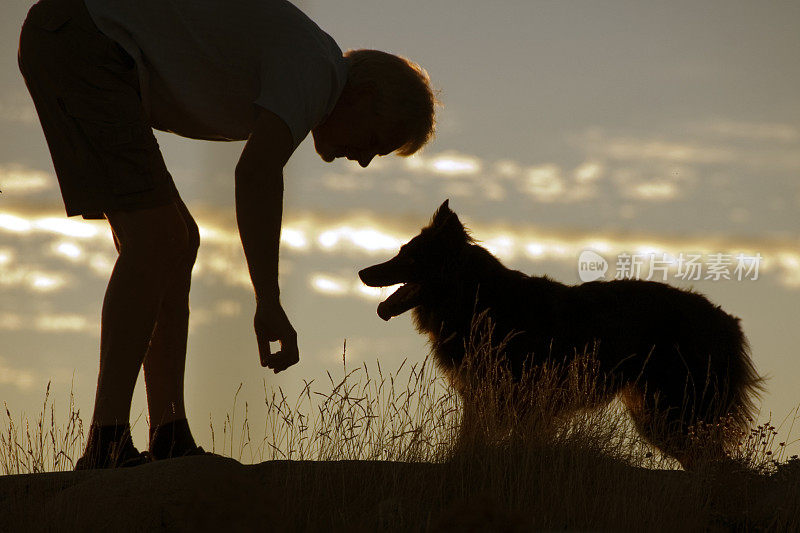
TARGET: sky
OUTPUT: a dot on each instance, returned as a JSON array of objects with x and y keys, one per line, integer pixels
[{"x": 621, "y": 127}]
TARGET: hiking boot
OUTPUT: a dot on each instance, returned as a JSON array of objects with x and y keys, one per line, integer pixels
[
  {"x": 110, "y": 446},
  {"x": 173, "y": 439},
  {"x": 118, "y": 457}
]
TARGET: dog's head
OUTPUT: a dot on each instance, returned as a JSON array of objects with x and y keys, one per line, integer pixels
[{"x": 422, "y": 263}]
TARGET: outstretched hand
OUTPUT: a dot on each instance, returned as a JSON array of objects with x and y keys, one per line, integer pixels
[{"x": 272, "y": 324}]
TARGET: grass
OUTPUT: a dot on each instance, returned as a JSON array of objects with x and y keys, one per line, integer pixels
[
  {"x": 406, "y": 415},
  {"x": 531, "y": 470},
  {"x": 44, "y": 445}
]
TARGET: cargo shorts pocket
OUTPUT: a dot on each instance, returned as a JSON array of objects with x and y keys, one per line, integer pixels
[
  {"x": 40, "y": 18},
  {"x": 123, "y": 145}
]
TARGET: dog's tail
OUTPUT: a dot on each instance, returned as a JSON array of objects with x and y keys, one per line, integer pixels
[{"x": 744, "y": 385}]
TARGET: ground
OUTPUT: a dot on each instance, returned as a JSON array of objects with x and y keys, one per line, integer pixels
[{"x": 214, "y": 492}]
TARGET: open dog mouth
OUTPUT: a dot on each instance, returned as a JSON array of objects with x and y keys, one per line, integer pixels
[
  {"x": 395, "y": 270},
  {"x": 405, "y": 298}
]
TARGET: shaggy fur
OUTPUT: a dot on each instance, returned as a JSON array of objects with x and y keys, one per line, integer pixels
[{"x": 669, "y": 354}]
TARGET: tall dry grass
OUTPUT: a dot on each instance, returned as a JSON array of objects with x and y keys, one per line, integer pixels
[
  {"x": 50, "y": 443},
  {"x": 526, "y": 467},
  {"x": 409, "y": 414}
]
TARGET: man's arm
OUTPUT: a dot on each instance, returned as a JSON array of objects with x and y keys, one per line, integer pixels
[{"x": 259, "y": 210}]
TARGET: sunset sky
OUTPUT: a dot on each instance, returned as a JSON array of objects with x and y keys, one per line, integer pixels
[{"x": 618, "y": 127}]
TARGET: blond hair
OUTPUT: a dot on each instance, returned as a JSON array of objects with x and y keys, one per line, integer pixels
[{"x": 404, "y": 94}]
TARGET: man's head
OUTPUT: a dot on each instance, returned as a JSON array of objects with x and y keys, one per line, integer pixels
[{"x": 387, "y": 105}]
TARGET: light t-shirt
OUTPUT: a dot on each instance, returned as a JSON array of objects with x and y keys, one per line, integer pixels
[{"x": 205, "y": 65}]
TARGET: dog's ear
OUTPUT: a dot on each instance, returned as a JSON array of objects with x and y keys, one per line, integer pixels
[
  {"x": 442, "y": 214},
  {"x": 445, "y": 222}
]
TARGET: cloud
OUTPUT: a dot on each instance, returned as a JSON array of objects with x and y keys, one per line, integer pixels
[
  {"x": 17, "y": 107},
  {"x": 45, "y": 281},
  {"x": 14, "y": 224},
  {"x": 221, "y": 259},
  {"x": 220, "y": 265},
  {"x": 780, "y": 256},
  {"x": 19, "y": 180},
  {"x": 102, "y": 264},
  {"x": 82, "y": 229},
  {"x": 598, "y": 144},
  {"x": 346, "y": 236},
  {"x": 643, "y": 169},
  {"x": 60, "y": 323},
  {"x": 544, "y": 183},
  {"x": 50, "y": 323},
  {"x": 789, "y": 263},
  {"x": 330, "y": 284},
  {"x": 294, "y": 239},
  {"x": 643, "y": 150},
  {"x": 588, "y": 172},
  {"x": 507, "y": 168},
  {"x": 654, "y": 190},
  {"x": 70, "y": 228},
  {"x": 36, "y": 280},
  {"x": 458, "y": 174},
  {"x": 227, "y": 308},
  {"x": 750, "y": 131},
  {"x": 658, "y": 182},
  {"x": 364, "y": 235},
  {"x": 67, "y": 249},
  {"x": 20, "y": 378},
  {"x": 548, "y": 183},
  {"x": 782, "y": 263},
  {"x": 756, "y": 146},
  {"x": 449, "y": 163},
  {"x": 503, "y": 245},
  {"x": 10, "y": 321}
]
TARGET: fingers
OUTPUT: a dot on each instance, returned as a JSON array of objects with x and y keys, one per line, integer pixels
[
  {"x": 261, "y": 340},
  {"x": 287, "y": 356},
  {"x": 264, "y": 352},
  {"x": 280, "y": 361},
  {"x": 272, "y": 324}
]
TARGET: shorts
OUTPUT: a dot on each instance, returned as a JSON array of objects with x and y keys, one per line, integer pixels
[{"x": 86, "y": 91}]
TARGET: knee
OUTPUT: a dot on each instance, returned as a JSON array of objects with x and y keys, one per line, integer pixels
[
  {"x": 160, "y": 250},
  {"x": 157, "y": 241}
]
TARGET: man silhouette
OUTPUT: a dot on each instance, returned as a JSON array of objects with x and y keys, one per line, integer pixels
[{"x": 103, "y": 73}]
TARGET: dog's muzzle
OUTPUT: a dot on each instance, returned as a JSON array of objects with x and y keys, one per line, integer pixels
[{"x": 392, "y": 272}]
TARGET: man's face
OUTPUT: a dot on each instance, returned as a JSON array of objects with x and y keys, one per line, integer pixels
[{"x": 353, "y": 131}]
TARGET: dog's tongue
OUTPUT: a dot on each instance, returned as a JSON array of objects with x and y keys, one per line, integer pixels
[{"x": 400, "y": 301}]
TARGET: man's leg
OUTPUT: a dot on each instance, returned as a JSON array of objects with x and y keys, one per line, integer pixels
[
  {"x": 152, "y": 244},
  {"x": 165, "y": 362}
]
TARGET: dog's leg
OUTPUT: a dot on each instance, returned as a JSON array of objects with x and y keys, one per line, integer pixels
[
  {"x": 469, "y": 432},
  {"x": 668, "y": 426}
]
